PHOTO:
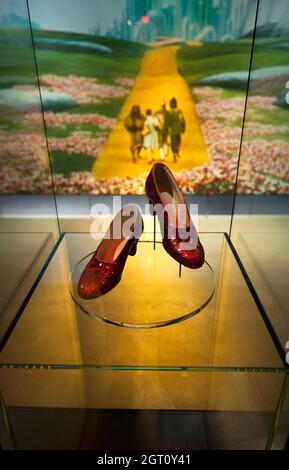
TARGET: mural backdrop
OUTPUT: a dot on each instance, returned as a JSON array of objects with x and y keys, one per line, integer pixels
[{"x": 108, "y": 73}]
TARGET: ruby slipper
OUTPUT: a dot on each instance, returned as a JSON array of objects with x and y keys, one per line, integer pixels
[
  {"x": 104, "y": 270},
  {"x": 180, "y": 238}
]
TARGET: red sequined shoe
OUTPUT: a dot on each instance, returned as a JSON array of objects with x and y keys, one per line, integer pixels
[
  {"x": 180, "y": 238},
  {"x": 104, "y": 270}
]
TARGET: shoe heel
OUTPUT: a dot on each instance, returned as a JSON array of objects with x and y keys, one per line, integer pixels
[
  {"x": 152, "y": 209},
  {"x": 154, "y": 214},
  {"x": 133, "y": 249}
]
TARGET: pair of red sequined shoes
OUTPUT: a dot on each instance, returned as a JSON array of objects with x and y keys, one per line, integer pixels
[{"x": 180, "y": 238}]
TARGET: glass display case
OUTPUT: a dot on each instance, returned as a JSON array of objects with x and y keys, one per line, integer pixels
[
  {"x": 28, "y": 224},
  {"x": 220, "y": 373},
  {"x": 171, "y": 358}
]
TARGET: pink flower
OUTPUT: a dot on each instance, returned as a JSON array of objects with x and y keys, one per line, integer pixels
[
  {"x": 78, "y": 143},
  {"x": 60, "y": 120},
  {"x": 83, "y": 90},
  {"x": 123, "y": 81},
  {"x": 24, "y": 163}
]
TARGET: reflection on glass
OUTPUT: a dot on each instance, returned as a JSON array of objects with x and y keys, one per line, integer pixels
[
  {"x": 262, "y": 241},
  {"x": 24, "y": 165},
  {"x": 23, "y": 150},
  {"x": 264, "y": 165}
]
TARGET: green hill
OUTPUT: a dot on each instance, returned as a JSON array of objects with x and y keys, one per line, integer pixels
[{"x": 17, "y": 58}]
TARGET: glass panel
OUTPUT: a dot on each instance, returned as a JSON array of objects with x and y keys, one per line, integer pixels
[
  {"x": 22, "y": 256},
  {"x": 80, "y": 409},
  {"x": 28, "y": 220},
  {"x": 69, "y": 380},
  {"x": 229, "y": 332},
  {"x": 280, "y": 434},
  {"x": 260, "y": 223}
]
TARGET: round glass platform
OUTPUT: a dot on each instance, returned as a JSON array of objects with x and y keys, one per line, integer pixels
[{"x": 154, "y": 290}]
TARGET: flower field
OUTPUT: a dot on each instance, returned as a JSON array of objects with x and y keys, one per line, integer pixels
[
  {"x": 264, "y": 163},
  {"x": 84, "y": 90},
  {"x": 61, "y": 120},
  {"x": 77, "y": 131},
  {"x": 24, "y": 163},
  {"x": 23, "y": 150}
]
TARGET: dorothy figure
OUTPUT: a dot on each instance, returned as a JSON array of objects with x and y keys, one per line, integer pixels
[{"x": 150, "y": 141}]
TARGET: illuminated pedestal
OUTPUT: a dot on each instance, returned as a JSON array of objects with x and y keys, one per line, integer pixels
[
  {"x": 215, "y": 380},
  {"x": 154, "y": 290}
]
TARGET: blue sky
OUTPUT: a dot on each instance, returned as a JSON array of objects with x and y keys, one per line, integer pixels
[
  {"x": 83, "y": 15},
  {"x": 67, "y": 15}
]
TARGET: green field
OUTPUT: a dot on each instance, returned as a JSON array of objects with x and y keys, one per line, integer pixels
[
  {"x": 17, "y": 59},
  {"x": 66, "y": 163},
  {"x": 196, "y": 63},
  {"x": 110, "y": 108},
  {"x": 18, "y": 68}
]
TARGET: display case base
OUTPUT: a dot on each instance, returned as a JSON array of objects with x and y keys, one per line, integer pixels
[{"x": 154, "y": 290}]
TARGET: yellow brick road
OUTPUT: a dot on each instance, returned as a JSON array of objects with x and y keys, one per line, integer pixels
[{"x": 158, "y": 79}]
